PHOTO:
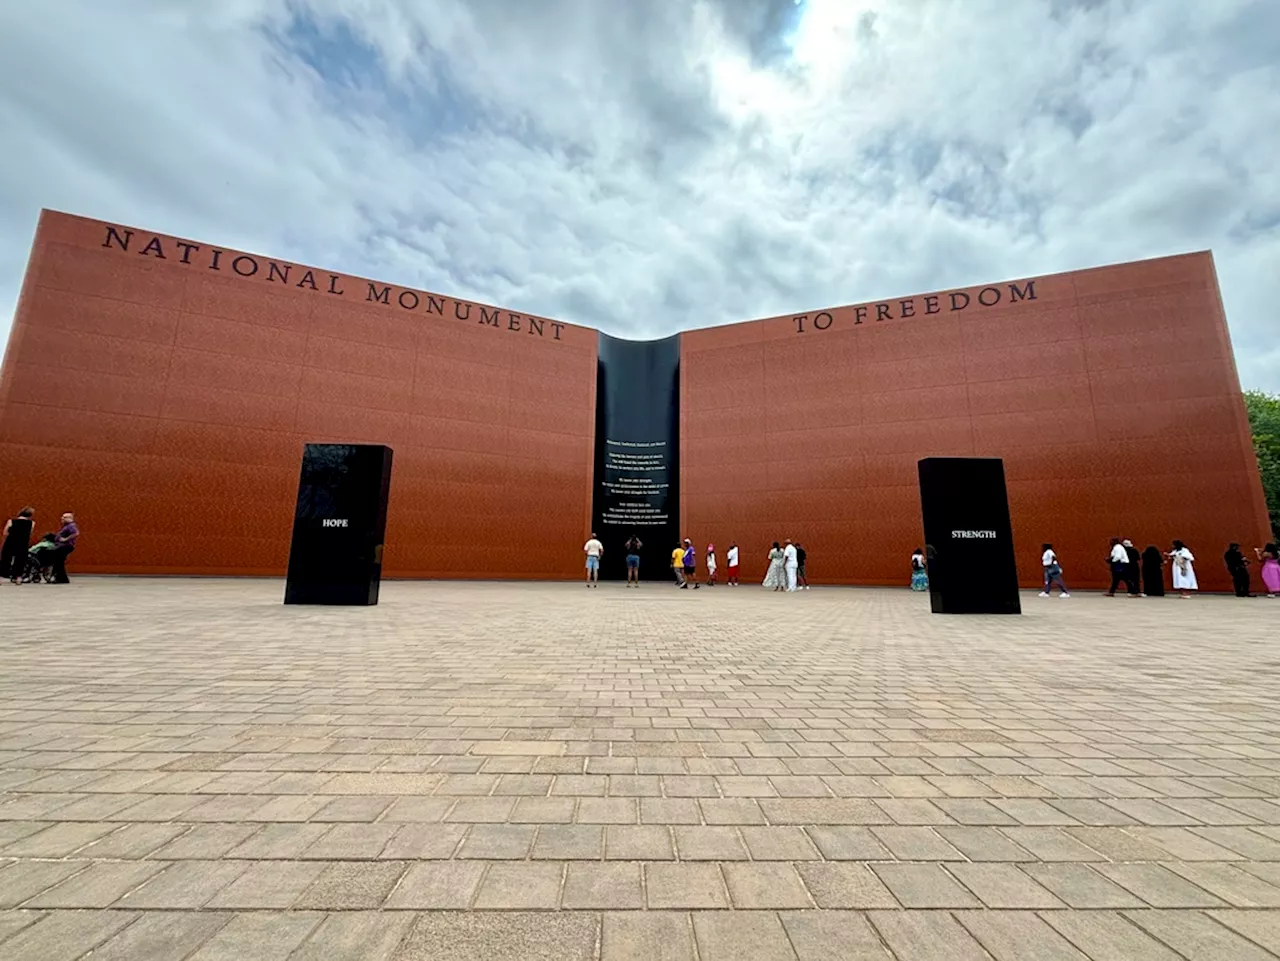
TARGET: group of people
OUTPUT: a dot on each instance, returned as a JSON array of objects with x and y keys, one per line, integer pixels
[
  {"x": 1238, "y": 567},
  {"x": 684, "y": 565},
  {"x": 786, "y": 570},
  {"x": 1142, "y": 572},
  {"x": 46, "y": 560}
]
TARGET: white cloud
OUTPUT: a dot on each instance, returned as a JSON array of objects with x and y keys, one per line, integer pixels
[{"x": 650, "y": 167}]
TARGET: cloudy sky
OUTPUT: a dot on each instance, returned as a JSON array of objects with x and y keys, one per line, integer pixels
[{"x": 654, "y": 165}]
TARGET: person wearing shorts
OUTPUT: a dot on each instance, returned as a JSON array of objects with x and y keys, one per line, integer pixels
[
  {"x": 732, "y": 559},
  {"x": 633, "y": 560},
  {"x": 690, "y": 565},
  {"x": 593, "y": 549},
  {"x": 802, "y": 582}
]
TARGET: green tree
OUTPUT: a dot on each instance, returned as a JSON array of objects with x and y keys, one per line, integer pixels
[{"x": 1264, "y": 423}]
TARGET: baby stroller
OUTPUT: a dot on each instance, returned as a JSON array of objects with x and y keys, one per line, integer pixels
[{"x": 40, "y": 561}]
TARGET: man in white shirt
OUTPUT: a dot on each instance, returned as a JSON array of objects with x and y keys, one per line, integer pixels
[
  {"x": 1052, "y": 572},
  {"x": 789, "y": 564},
  {"x": 1119, "y": 566},
  {"x": 593, "y": 549},
  {"x": 732, "y": 558}
]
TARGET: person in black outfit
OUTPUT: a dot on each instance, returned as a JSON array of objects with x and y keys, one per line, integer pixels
[
  {"x": 1238, "y": 568},
  {"x": 633, "y": 560},
  {"x": 802, "y": 579},
  {"x": 1132, "y": 567},
  {"x": 1153, "y": 571},
  {"x": 17, "y": 538}
]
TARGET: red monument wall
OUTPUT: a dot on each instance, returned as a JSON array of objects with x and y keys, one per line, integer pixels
[
  {"x": 163, "y": 390},
  {"x": 1111, "y": 395}
]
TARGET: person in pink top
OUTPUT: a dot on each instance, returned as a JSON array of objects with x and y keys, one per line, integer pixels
[{"x": 1269, "y": 557}]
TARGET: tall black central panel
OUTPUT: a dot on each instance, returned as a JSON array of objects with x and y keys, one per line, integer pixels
[{"x": 637, "y": 471}]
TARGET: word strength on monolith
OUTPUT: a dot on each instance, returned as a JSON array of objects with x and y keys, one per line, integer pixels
[
  {"x": 637, "y": 463},
  {"x": 339, "y": 525},
  {"x": 972, "y": 566}
]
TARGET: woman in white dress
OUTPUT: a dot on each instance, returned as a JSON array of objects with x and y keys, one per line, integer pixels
[
  {"x": 1184, "y": 573},
  {"x": 776, "y": 576}
]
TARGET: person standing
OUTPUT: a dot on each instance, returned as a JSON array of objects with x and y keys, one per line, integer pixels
[
  {"x": 1119, "y": 561},
  {"x": 690, "y": 561},
  {"x": 1238, "y": 568},
  {"x": 732, "y": 559},
  {"x": 17, "y": 539},
  {"x": 593, "y": 549},
  {"x": 789, "y": 564},
  {"x": 677, "y": 565},
  {"x": 1184, "y": 571},
  {"x": 802, "y": 579},
  {"x": 1270, "y": 558},
  {"x": 1052, "y": 572},
  {"x": 1153, "y": 571},
  {"x": 633, "y": 560},
  {"x": 1132, "y": 567},
  {"x": 711, "y": 565},
  {"x": 919, "y": 572},
  {"x": 64, "y": 543},
  {"x": 776, "y": 576}
]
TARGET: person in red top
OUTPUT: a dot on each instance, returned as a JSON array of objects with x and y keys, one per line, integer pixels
[{"x": 65, "y": 541}]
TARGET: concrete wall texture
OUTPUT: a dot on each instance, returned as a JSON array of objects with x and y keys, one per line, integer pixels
[{"x": 163, "y": 390}]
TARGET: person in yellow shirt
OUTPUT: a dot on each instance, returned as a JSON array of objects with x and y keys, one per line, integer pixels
[{"x": 677, "y": 564}]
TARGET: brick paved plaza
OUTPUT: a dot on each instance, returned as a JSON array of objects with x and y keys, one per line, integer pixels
[{"x": 190, "y": 769}]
